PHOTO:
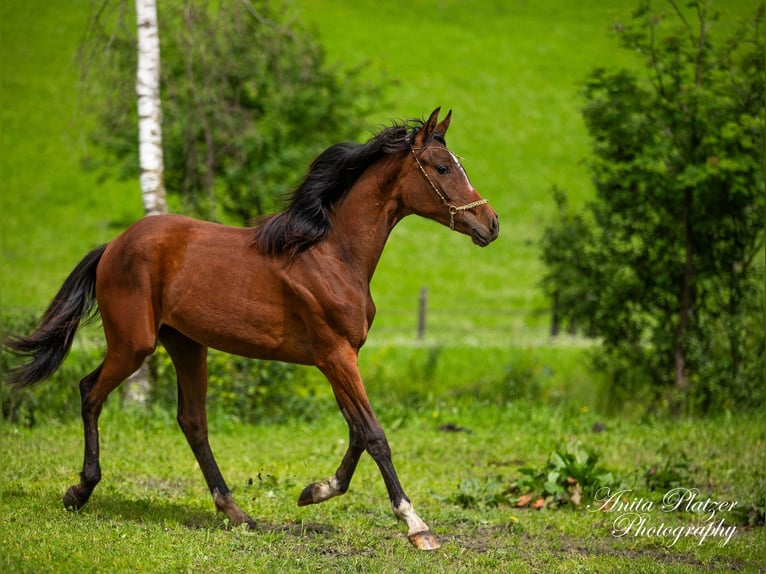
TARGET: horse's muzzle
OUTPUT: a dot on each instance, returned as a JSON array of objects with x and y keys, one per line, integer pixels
[{"x": 484, "y": 235}]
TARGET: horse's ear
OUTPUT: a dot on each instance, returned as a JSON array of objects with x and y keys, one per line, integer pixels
[
  {"x": 442, "y": 127},
  {"x": 428, "y": 128}
]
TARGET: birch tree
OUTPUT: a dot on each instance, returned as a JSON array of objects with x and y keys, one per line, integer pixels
[
  {"x": 149, "y": 109},
  {"x": 149, "y": 145},
  {"x": 249, "y": 100}
]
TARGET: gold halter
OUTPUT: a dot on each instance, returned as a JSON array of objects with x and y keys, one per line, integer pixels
[{"x": 451, "y": 208}]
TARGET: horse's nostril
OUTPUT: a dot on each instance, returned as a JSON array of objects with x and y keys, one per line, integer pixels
[{"x": 494, "y": 225}]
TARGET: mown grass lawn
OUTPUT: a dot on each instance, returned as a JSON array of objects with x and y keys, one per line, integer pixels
[{"x": 153, "y": 513}]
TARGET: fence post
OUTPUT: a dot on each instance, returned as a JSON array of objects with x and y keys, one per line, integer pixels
[
  {"x": 555, "y": 327},
  {"x": 422, "y": 306}
]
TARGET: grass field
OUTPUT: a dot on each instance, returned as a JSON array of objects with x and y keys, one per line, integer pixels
[
  {"x": 152, "y": 512},
  {"x": 510, "y": 71}
]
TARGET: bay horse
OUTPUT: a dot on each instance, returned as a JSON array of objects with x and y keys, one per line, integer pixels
[{"x": 295, "y": 288}]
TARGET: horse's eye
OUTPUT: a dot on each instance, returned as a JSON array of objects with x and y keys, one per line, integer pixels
[{"x": 442, "y": 169}]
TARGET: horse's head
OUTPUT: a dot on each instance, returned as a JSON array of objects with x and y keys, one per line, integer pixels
[{"x": 438, "y": 187}]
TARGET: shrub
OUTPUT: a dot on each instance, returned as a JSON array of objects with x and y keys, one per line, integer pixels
[
  {"x": 59, "y": 397},
  {"x": 569, "y": 478},
  {"x": 665, "y": 266},
  {"x": 248, "y": 390}
]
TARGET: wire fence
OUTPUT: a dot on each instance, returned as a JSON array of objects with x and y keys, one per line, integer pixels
[{"x": 422, "y": 323}]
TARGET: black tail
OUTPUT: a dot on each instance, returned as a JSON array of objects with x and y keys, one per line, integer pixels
[{"x": 49, "y": 344}]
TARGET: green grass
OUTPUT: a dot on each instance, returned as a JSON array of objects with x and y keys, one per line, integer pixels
[
  {"x": 152, "y": 511},
  {"x": 52, "y": 213}
]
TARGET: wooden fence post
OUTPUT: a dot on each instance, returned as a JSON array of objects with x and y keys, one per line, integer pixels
[{"x": 422, "y": 307}]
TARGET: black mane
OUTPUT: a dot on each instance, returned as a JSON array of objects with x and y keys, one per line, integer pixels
[{"x": 330, "y": 176}]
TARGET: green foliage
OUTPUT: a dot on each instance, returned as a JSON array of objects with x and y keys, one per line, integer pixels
[
  {"x": 248, "y": 100},
  {"x": 567, "y": 479},
  {"x": 57, "y": 399},
  {"x": 664, "y": 267},
  {"x": 521, "y": 376},
  {"x": 481, "y": 494},
  {"x": 669, "y": 471},
  {"x": 402, "y": 382},
  {"x": 249, "y": 391}
]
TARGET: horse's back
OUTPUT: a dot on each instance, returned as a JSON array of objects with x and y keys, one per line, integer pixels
[
  {"x": 161, "y": 242},
  {"x": 206, "y": 280}
]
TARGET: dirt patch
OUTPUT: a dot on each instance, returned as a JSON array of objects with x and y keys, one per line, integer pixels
[
  {"x": 303, "y": 529},
  {"x": 336, "y": 553},
  {"x": 491, "y": 538}
]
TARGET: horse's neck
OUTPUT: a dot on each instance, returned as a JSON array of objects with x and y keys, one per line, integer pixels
[{"x": 364, "y": 219}]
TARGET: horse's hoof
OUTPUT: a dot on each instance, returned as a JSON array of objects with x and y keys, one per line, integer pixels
[
  {"x": 307, "y": 496},
  {"x": 424, "y": 540},
  {"x": 225, "y": 503},
  {"x": 72, "y": 501},
  {"x": 251, "y": 525}
]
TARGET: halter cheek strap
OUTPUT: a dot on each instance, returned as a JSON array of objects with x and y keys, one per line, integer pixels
[{"x": 453, "y": 210}]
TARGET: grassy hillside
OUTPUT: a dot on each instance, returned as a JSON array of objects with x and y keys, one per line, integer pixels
[
  {"x": 510, "y": 71},
  {"x": 51, "y": 211}
]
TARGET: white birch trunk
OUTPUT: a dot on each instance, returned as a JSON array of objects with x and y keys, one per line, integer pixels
[
  {"x": 151, "y": 163},
  {"x": 149, "y": 109}
]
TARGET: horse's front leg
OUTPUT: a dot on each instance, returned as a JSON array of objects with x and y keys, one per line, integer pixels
[{"x": 365, "y": 433}]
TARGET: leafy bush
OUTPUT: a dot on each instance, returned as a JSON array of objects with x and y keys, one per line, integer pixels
[
  {"x": 521, "y": 378},
  {"x": 665, "y": 266},
  {"x": 250, "y": 391},
  {"x": 568, "y": 478},
  {"x": 56, "y": 399},
  {"x": 248, "y": 99}
]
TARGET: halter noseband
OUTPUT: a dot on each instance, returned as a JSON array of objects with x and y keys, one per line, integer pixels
[{"x": 451, "y": 208}]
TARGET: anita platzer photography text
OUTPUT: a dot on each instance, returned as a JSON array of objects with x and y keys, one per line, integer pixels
[{"x": 643, "y": 517}]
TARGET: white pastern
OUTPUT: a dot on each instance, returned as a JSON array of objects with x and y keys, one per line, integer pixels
[
  {"x": 324, "y": 490},
  {"x": 406, "y": 514}
]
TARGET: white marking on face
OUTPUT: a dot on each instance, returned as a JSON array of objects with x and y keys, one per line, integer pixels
[{"x": 460, "y": 167}]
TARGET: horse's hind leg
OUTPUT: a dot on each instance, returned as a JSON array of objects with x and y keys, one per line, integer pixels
[
  {"x": 190, "y": 361},
  {"x": 94, "y": 389},
  {"x": 338, "y": 483}
]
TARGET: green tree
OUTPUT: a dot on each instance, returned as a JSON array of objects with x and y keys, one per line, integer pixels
[
  {"x": 666, "y": 264},
  {"x": 248, "y": 101}
]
